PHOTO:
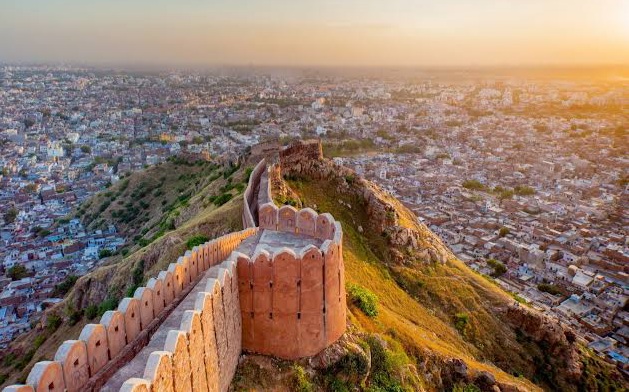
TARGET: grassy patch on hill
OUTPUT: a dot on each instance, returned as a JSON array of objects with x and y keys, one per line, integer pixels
[
  {"x": 418, "y": 305},
  {"x": 173, "y": 212}
]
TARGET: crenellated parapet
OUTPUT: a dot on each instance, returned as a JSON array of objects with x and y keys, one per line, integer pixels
[
  {"x": 202, "y": 354},
  {"x": 292, "y": 300},
  {"x": 86, "y": 363},
  {"x": 276, "y": 288}
]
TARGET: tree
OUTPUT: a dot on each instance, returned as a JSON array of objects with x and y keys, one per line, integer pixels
[
  {"x": 62, "y": 288},
  {"x": 503, "y": 232},
  {"x": 86, "y": 149},
  {"x": 499, "y": 268},
  {"x": 523, "y": 190},
  {"x": 30, "y": 188},
  {"x": 29, "y": 122},
  {"x": 17, "y": 272},
  {"x": 549, "y": 288},
  {"x": 474, "y": 185},
  {"x": 10, "y": 215}
]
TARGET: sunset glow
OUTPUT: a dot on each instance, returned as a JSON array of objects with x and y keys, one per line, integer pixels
[{"x": 280, "y": 32}]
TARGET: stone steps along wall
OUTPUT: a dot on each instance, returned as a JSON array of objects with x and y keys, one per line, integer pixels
[
  {"x": 203, "y": 354},
  {"x": 82, "y": 362}
]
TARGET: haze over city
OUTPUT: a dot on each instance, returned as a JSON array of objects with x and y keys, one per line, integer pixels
[
  {"x": 347, "y": 196},
  {"x": 346, "y": 33}
]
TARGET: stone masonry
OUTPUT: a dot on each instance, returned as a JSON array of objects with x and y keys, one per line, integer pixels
[{"x": 275, "y": 288}]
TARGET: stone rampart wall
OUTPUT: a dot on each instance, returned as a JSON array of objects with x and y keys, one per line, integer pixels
[
  {"x": 292, "y": 304},
  {"x": 102, "y": 348},
  {"x": 202, "y": 355},
  {"x": 250, "y": 196}
]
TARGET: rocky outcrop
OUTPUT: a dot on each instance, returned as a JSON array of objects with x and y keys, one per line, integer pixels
[
  {"x": 408, "y": 239},
  {"x": 558, "y": 341}
]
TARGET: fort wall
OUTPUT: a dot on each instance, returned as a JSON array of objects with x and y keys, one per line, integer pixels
[
  {"x": 292, "y": 302},
  {"x": 102, "y": 348},
  {"x": 249, "y": 211},
  {"x": 289, "y": 304}
]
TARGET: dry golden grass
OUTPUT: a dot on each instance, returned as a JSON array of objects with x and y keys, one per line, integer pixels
[
  {"x": 115, "y": 277},
  {"x": 421, "y": 324}
]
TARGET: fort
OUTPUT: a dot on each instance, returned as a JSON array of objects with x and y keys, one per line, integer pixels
[{"x": 275, "y": 288}]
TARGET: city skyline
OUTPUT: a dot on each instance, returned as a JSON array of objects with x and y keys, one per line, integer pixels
[{"x": 398, "y": 33}]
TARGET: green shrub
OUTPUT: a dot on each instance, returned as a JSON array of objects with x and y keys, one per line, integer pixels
[
  {"x": 336, "y": 385},
  {"x": 460, "y": 322},
  {"x": 17, "y": 272},
  {"x": 222, "y": 199},
  {"x": 62, "y": 288},
  {"x": 474, "y": 185},
  {"x": 108, "y": 304},
  {"x": 386, "y": 367},
  {"x": 229, "y": 171},
  {"x": 74, "y": 315},
  {"x": 518, "y": 298},
  {"x": 301, "y": 380},
  {"x": 9, "y": 359},
  {"x": 248, "y": 172},
  {"x": 523, "y": 190},
  {"x": 138, "y": 278},
  {"x": 196, "y": 241},
  {"x": 24, "y": 360},
  {"x": 466, "y": 388},
  {"x": 91, "y": 312},
  {"x": 499, "y": 268},
  {"x": 352, "y": 364},
  {"x": 364, "y": 299},
  {"x": 53, "y": 322},
  {"x": 39, "y": 340}
]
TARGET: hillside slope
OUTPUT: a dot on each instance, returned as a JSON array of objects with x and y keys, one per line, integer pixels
[
  {"x": 159, "y": 210},
  {"x": 419, "y": 319},
  {"x": 438, "y": 325}
]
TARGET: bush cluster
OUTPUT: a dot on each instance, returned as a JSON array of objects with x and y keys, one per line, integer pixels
[{"x": 364, "y": 299}]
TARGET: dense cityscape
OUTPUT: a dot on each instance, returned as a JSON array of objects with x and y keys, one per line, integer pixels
[{"x": 524, "y": 177}]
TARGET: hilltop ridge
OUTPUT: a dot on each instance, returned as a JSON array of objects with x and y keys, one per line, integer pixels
[
  {"x": 452, "y": 325},
  {"x": 160, "y": 210},
  {"x": 418, "y": 318}
]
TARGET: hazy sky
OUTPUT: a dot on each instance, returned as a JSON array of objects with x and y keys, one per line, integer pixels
[{"x": 323, "y": 32}]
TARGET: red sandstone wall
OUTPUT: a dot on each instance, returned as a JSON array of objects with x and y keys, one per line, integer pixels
[
  {"x": 293, "y": 305},
  {"x": 103, "y": 348},
  {"x": 287, "y": 309},
  {"x": 248, "y": 213}
]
